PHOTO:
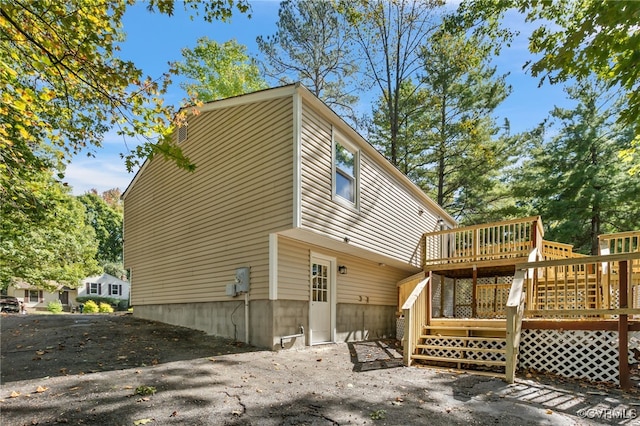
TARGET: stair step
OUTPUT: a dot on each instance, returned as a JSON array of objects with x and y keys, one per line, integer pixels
[
  {"x": 462, "y": 348},
  {"x": 459, "y": 360},
  {"x": 467, "y": 338},
  {"x": 501, "y": 327}
]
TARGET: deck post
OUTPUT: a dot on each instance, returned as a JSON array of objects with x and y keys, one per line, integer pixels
[
  {"x": 429, "y": 313},
  {"x": 623, "y": 328},
  {"x": 474, "y": 296}
]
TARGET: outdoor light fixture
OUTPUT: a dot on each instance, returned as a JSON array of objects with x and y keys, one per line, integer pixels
[
  {"x": 342, "y": 269},
  {"x": 441, "y": 223}
]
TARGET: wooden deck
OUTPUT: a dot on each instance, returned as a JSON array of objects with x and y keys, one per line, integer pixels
[{"x": 485, "y": 286}]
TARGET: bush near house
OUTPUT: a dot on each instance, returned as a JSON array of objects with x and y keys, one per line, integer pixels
[
  {"x": 105, "y": 308},
  {"x": 90, "y": 307},
  {"x": 116, "y": 304},
  {"x": 55, "y": 306}
]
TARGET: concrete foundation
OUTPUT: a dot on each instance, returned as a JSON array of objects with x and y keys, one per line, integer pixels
[
  {"x": 357, "y": 322},
  {"x": 270, "y": 320}
]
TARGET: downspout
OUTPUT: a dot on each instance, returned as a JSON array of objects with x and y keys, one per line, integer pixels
[{"x": 246, "y": 318}]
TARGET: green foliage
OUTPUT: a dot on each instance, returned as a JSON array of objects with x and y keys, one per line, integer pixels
[
  {"x": 98, "y": 299},
  {"x": 312, "y": 45},
  {"x": 145, "y": 390},
  {"x": 123, "y": 305},
  {"x": 115, "y": 269},
  {"x": 218, "y": 71},
  {"x": 464, "y": 151},
  {"x": 90, "y": 307},
  {"x": 389, "y": 36},
  {"x": 577, "y": 39},
  {"x": 378, "y": 415},
  {"x": 43, "y": 235},
  {"x": 575, "y": 180},
  {"x": 447, "y": 141},
  {"x": 55, "y": 306},
  {"x": 62, "y": 87},
  {"x": 105, "y": 308},
  {"x": 107, "y": 224}
]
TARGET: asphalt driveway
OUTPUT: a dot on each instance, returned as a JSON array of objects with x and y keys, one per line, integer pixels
[{"x": 119, "y": 370}]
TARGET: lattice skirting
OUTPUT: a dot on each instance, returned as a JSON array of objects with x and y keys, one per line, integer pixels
[
  {"x": 400, "y": 328},
  {"x": 575, "y": 354},
  {"x": 456, "y": 354}
]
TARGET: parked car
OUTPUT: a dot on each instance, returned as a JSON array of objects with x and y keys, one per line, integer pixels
[{"x": 9, "y": 304}]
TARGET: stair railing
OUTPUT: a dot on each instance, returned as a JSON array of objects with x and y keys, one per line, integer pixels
[
  {"x": 417, "y": 313},
  {"x": 515, "y": 313}
]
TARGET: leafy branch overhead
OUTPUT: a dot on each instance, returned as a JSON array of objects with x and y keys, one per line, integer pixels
[
  {"x": 63, "y": 84},
  {"x": 575, "y": 39}
]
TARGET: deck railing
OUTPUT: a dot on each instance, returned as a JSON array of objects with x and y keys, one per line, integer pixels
[
  {"x": 552, "y": 250},
  {"x": 417, "y": 312},
  {"x": 621, "y": 242},
  {"x": 487, "y": 242},
  {"x": 584, "y": 287}
]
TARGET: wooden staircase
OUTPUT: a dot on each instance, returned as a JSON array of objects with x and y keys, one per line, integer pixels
[{"x": 465, "y": 344}]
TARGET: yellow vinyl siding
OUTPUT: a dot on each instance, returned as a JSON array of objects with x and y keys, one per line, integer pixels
[
  {"x": 187, "y": 232},
  {"x": 364, "y": 278},
  {"x": 388, "y": 220}
]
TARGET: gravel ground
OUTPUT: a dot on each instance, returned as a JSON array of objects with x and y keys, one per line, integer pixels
[{"x": 120, "y": 370}]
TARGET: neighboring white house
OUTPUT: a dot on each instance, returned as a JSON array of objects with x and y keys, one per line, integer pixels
[
  {"x": 35, "y": 298},
  {"x": 104, "y": 285}
]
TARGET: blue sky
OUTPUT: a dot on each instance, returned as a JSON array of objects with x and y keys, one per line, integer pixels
[{"x": 153, "y": 40}]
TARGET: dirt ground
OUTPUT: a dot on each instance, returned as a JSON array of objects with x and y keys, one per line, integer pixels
[{"x": 121, "y": 370}]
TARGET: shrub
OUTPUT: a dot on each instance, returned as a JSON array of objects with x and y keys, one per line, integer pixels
[
  {"x": 90, "y": 307},
  {"x": 55, "y": 307},
  {"x": 123, "y": 305},
  {"x": 105, "y": 308},
  {"x": 98, "y": 299}
]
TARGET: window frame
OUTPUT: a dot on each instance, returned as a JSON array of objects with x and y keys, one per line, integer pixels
[
  {"x": 38, "y": 296},
  {"x": 115, "y": 289},
  {"x": 339, "y": 139},
  {"x": 91, "y": 290}
]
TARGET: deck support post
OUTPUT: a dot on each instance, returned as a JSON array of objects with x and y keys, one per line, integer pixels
[
  {"x": 623, "y": 328},
  {"x": 474, "y": 296}
]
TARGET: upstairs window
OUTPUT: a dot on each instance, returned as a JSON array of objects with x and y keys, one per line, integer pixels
[{"x": 345, "y": 176}]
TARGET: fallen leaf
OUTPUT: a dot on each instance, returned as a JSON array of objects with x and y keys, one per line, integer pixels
[
  {"x": 14, "y": 394},
  {"x": 549, "y": 412},
  {"x": 236, "y": 412},
  {"x": 74, "y": 388},
  {"x": 142, "y": 422},
  {"x": 40, "y": 352},
  {"x": 41, "y": 389},
  {"x": 128, "y": 387},
  {"x": 174, "y": 414}
]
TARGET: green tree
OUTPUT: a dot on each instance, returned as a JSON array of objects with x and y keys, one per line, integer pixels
[
  {"x": 45, "y": 241},
  {"x": 389, "y": 35},
  {"x": 576, "y": 39},
  {"x": 63, "y": 86},
  {"x": 411, "y": 131},
  {"x": 218, "y": 71},
  {"x": 107, "y": 225},
  {"x": 575, "y": 180},
  {"x": 312, "y": 46},
  {"x": 464, "y": 152}
]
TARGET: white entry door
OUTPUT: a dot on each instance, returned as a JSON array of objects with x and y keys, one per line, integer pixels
[{"x": 320, "y": 311}]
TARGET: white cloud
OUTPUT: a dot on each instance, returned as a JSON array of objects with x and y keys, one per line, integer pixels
[{"x": 102, "y": 173}]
